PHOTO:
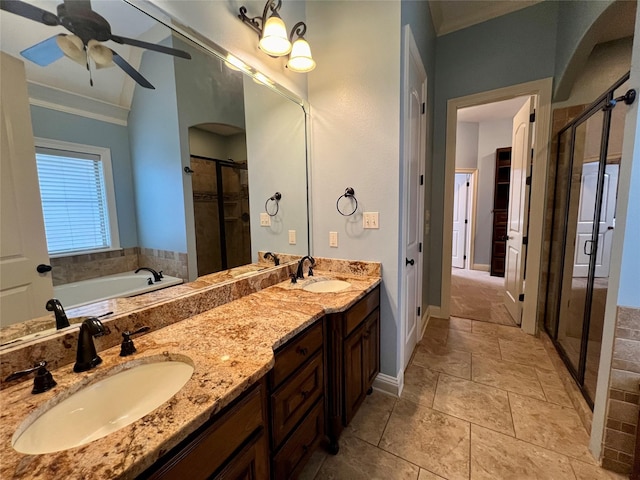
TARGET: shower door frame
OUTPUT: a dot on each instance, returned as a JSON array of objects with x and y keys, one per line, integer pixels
[{"x": 601, "y": 104}]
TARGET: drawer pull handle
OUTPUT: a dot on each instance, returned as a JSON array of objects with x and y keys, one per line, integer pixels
[
  {"x": 302, "y": 350},
  {"x": 304, "y": 394}
]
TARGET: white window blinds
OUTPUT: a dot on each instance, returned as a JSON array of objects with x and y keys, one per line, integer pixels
[{"x": 74, "y": 201}]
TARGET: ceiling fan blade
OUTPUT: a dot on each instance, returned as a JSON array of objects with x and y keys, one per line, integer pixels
[
  {"x": 44, "y": 53},
  {"x": 151, "y": 46},
  {"x": 29, "y": 11},
  {"x": 132, "y": 72}
]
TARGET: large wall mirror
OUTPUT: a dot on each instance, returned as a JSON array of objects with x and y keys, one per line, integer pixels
[{"x": 195, "y": 160}]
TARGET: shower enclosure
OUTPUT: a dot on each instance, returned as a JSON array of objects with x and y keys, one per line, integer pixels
[
  {"x": 221, "y": 214},
  {"x": 583, "y": 220}
]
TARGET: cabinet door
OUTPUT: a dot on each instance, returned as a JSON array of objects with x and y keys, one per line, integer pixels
[
  {"x": 371, "y": 349},
  {"x": 252, "y": 463},
  {"x": 353, "y": 373}
]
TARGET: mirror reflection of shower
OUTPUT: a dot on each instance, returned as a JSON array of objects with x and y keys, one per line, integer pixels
[{"x": 220, "y": 184}]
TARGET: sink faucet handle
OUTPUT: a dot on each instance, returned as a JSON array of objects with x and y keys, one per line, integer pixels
[
  {"x": 293, "y": 278},
  {"x": 127, "y": 347},
  {"x": 43, "y": 380},
  {"x": 310, "y": 272}
]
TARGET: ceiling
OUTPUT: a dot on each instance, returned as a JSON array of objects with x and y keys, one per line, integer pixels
[
  {"x": 491, "y": 111},
  {"x": 111, "y": 85},
  {"x": 449, "y": 16}
]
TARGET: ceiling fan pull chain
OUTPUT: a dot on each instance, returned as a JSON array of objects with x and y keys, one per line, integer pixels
[{"x": 86, "y": 54}]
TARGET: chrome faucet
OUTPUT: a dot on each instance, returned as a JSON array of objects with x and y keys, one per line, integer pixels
[
  {"x": 86, "y": 356},
  {"x": 299, "y": 272},
  {"x": 157, "y": 276},
  {"x": 54, "y": 305},
  {"x": 275, "y": 259}
]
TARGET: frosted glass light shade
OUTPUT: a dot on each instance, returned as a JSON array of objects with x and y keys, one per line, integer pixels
[
  {"x": 300, "y": 59},
  {"x": 101, "y": 55},
  {"x": 274, "y": 39},
  {"x": 72, "y": 47}
]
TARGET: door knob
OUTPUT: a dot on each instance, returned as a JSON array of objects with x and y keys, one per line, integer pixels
[
  {"x": 409, "y": 262},
  {"x": 42, "y": 268}
]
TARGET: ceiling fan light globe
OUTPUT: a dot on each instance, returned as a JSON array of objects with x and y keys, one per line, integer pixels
[
  {"x": 101, "y": 55},
  {"x": 72, "y": 47}
]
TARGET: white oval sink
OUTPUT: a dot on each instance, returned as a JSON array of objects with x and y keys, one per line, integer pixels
[
  {"x": 102, "y": 407},
  {"x": 327, "y": 286}
]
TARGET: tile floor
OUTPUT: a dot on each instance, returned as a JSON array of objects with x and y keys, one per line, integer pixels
[{"x": 480, "y": 401}]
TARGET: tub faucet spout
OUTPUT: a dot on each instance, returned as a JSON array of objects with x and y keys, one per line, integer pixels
[
  {"x": 157, "y": 276},
  {"x": 54, "y": 305}
]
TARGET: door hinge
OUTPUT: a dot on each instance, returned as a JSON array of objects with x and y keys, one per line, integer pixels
[
  {"x": 424, "y": 107},
  {"x": 525, "y": 240},
  {"x": 420, "y": 247},
  {"x": 468, "y": 184},
  {"x": 464, "y": 257},
  {"x": 466, "y": 221},
  {"x": 418, "y": 311},
  {"x": 528, "y": 180},
  {"x": 521, "y": 297},
  {"x": 532, "y": 117},
  {"x": 421, "y": 179}
]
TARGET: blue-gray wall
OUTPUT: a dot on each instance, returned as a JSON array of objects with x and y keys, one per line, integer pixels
[
  {"x": 508, "y": 50},
  {"x": 417, "y": 14},
  {"x": 67, "y": 127}
]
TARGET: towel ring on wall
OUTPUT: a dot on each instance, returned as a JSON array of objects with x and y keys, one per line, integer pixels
[
  {"x": 348, "y": 193},
  {"x": 275, "y": 198}
]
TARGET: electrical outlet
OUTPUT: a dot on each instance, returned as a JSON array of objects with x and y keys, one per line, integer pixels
[
  {"x": 370, "y": 220},
  {"x": 265, "y": 220},
  {"x": 292, "y": 237},
  {"x": 333, "y": 239}
]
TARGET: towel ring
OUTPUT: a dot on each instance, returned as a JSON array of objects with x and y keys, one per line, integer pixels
[
  {"x": 275, "y": 198},
  {"x": 348, "y": 193}
]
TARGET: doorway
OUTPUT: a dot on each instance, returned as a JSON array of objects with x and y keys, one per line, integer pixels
[{"x": 586, "y": 181}]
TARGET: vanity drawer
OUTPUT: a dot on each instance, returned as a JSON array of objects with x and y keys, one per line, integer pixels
[
  {"x": 209, "y": 449},
  {"x": 296, "y": 450},
  {"x": 356, "y": 314},
  {"x": 294, "y": 398},
  {"x": 296, "y": 352}
]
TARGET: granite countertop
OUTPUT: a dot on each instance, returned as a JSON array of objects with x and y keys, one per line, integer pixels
[{"x": 231, "y": 347}]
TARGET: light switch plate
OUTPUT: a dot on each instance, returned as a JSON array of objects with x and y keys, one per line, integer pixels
[
  {"x": 292, "y": 237},
  {"x": 333, "y": 239},
  {"x": 265, "y": 220},
  {"x": 370, "y": 220}
]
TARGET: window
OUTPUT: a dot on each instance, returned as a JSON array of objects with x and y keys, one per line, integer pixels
[{"x": 78, "y": 204}]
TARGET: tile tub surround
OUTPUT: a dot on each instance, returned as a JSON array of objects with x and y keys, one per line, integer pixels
[
  {"x": 231, "y": 347},
  {"x": 623, "y": 400}
]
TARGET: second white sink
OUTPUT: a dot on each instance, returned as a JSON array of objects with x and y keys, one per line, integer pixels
[
  {"x": 327, "y": 286},
  {"x": 102, "y": 407}
]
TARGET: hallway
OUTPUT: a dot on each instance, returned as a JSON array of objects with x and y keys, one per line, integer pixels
[{"x": 480, "y": 401}]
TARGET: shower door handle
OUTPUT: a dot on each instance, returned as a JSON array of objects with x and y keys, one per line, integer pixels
[{"x": 584, "y": 249}]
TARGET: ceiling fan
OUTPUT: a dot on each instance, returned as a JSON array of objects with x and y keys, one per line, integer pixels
[{"x": 87, "y": 29}]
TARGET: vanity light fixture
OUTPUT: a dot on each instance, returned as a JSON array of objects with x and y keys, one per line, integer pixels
[{"x": 274, "y": 40}]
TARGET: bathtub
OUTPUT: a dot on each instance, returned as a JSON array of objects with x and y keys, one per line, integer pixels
[{"x": 125, "y": 284}]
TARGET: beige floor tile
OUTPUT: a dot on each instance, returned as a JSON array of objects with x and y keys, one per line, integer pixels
[
  {"x": 419, "y": 385},
  {"x": 427, "y": 475},
  {"x": 513, "y": 333},
  {"x": 507, "y": 376},
  {"x": 533, "y": 355},
  {"x": 369, "y": 422},
  {"x": 439, "y": 323},
  {"x": 442, "y": 359},
  {"x": 496, "y": 456},
  {"x": 430, "y": 439},
  {"x": 479, "y": 404},
  {"x": 457, "y": 323},
  {"x": 550, "y": 426},
  {"x": 584, "y": 471},
  {"x": 476, "y": 344},
  {"x": 358, "y": 460},
  {"x": 436, "y": 334},
  {"x": 553, "y": 388}
]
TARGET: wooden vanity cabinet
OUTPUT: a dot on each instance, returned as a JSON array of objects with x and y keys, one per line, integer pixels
[
  {"x": 353, "y": 361},
  {"x": 296, "y": 399},
  {"x": 233, "y": 445}
]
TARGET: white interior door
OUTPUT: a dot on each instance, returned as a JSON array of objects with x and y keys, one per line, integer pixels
[
  {"x": 459, "y": 237},
  {"x": 586, "y": 214},
  {"x": 23, "y": 291},
  {"x": 413, "y": 183},
  {"x": 518, "y": 200}
]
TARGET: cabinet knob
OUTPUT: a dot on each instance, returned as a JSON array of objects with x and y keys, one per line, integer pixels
[
  {"x": 304, "y": 394},
  {"x": 302, "y": 350}
]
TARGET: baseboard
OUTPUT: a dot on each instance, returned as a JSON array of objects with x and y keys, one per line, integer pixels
[
  {"x": 388, "y": 384},
  {"x": 481, "y": 267}
]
